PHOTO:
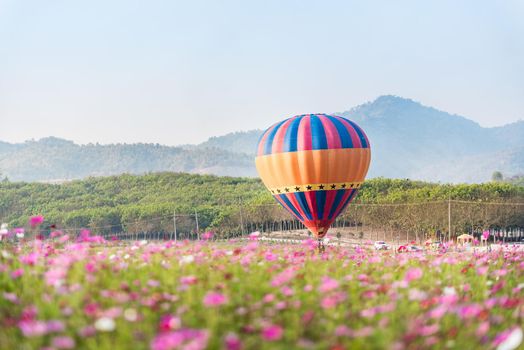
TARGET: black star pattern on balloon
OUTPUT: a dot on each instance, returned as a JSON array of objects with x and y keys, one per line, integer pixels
[
  {"x": 321, "y": 187},
  {"x": 297, "y": 188},
  {"x": 309, "y": 187},
  {"x": 343, "y": 185},
  {"x": 351, "y": 186},
  {"x": 272, "y": 191},
  {"x": 333, "y": 186},
  {"x": 278, "y": 191},
  {"x": 286, "y": 189}
]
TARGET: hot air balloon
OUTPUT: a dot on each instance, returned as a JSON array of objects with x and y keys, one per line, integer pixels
[{"x": 313, "y": 165}]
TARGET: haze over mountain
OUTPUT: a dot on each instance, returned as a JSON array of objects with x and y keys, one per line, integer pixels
[{"x": 408, "y": 140}]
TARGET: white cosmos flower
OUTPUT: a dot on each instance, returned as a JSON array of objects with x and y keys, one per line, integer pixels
[
  {"x": 512, "y": 341},
  {"x": 187, "y": 259},
  {"x": 105, "y": 324}
]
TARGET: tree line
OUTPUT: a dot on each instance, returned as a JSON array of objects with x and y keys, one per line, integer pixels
[{"x": 232, "y": 205}]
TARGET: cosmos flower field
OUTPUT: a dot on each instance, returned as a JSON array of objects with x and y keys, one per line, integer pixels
[{"x": 93, "y": 294}]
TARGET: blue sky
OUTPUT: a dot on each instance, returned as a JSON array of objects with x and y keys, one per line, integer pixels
[{"x": 175, "y": 72}]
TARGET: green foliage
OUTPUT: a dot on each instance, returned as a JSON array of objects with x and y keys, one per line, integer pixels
[{"x": 133, "y": 203}]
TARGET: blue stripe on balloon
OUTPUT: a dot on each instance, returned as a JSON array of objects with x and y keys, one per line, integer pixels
[
  {"x": 321, "y": 202},
  {"x": 360, "y": 134},
  {"x": 343, "y": 133},
  {"x": 269, "y": 141},
  {"x": 284, "y": 198},
  {"x": 301, "y": 199},
  {"x": 350, "y": 198},
  {"x": 291, "y": 138},
  {"x": 318, "y": 134},
  {"x": 336, "y": 202}
]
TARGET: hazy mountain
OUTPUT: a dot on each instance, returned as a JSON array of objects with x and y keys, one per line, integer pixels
[
  {"x": 408, "y": 140},
  {"x": 57, "y": 159}
]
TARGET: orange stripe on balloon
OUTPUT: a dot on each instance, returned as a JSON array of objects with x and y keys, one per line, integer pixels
[{"x": 313, "y": 167}]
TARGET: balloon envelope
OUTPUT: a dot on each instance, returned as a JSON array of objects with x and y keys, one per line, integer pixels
[{"x": 313, "y": 165}]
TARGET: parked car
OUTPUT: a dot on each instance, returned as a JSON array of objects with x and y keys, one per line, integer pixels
[
  {"x": 409, "y": 248},
  {"x": 381, "y": 245}
]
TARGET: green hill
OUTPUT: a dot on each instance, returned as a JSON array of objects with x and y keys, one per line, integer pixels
[{"x": 146, "y": 203}]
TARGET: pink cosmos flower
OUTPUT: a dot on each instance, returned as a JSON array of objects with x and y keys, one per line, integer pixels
[
  {"x": 55, "y": 326},
  {"x": 188, "y": 280},
  {"x": 168, "y": 323},
  {"x": 63, "y": 342},
  {"x": 207, "y": 236},
  {"x": 32, "y": 328},
  {"x": 193, "y": 339},
  {"x": 343, "y": 331},
  {"x": 283, "y": 277},
  {"x": 254, "y": 235},
  {"x": 438, "y": 312},
  {"x": 17, "y": 273},
  {"x": 428, "y": 330},
  {"x": 214, "y": 299},
  {"x": 36, "y": 220},
  {"x": 29, "y": 259},
  {"x": 412, "y": 274},
  {"x": 56, "y": 234},
  {"x": 232, "y": 342},
  {"x": 469, "y": 311},
  {"x": 268, "y": 298},
  {"x": 328, "y": 284},
  {"x": 272, "y": 333},
  {"x": 482, "y": 329}
]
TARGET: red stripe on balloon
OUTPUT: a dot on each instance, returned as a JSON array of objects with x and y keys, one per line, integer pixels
[
  {"x": 332, "y": 135},
  {"x": 286, "y": 207},
  {"x": 278, "y": 140},
  {"x": 304, "y": 134},
  {"x": 342, "y": 202},
  {"x": 297, "y": 206},
  {"x": 352, "y": 132},
  {"x": 312, "y": 202},
  {"x": 330, "y": 198},
  {"x": 262, "y": 143}
]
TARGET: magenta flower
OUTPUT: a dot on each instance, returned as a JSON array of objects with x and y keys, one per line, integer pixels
[
  {"x": 232, "y": 342},
  {"x": 214, "y": 299},
  {"x": 482, "y": 329},
  {"x": 207, "y": 236},
  {"x": 193, "y": 339},
  {"x": 29, "y": 259},
  {"x": 36, "y": 220},
  {"x": 17, "y": 273},
  {"x": 188, "y": 280},
  {"x": 283, "y": 277},
  {"x": 272, "y": 333},
  {"x": 55, "y": 234},
  {"x": 412, "y": 274},
  {"x": 169, "y": 323},
  {"x": 55, "y": 326},
  {"x": 328, "y": 284},
  {"x": 32, "y": 328},
  {"x": 63, "y": 342}
]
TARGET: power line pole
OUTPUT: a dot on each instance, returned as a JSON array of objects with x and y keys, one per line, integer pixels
[
  {"x": 449, "y": 219},
  {"x": 196, "y": 218},
  {"x": 174, "y": 223},
  {"x": 241, "y": 217}
]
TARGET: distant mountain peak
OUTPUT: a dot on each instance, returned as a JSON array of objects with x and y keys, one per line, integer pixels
[{"x": 54, "y": 141}]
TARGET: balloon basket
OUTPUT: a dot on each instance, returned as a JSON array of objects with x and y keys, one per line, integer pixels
[{"x": 321, "y": 246}]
